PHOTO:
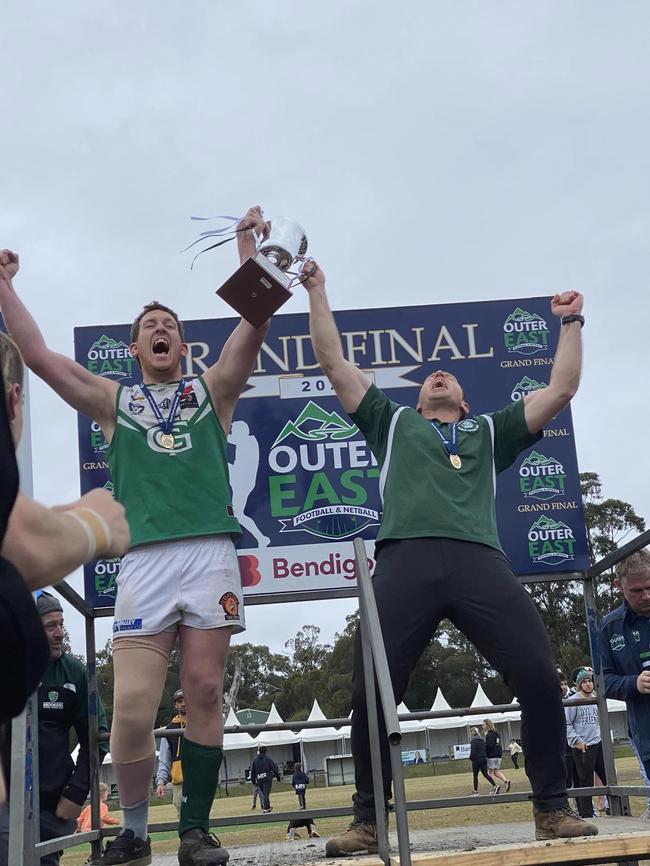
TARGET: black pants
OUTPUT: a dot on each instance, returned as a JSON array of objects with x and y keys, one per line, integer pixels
[
  {"x": 515, "y": 760},
  {"x": 417, "y": 583},
  {"x": 302, "y": 803},
  {"x": 51, "y": 828},
  {"x": 265, "y": 790},
  {"x": 586, "y": 763},
  {"x": 481, "y": 767}
]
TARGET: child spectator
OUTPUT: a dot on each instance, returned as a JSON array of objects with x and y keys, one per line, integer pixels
[{"x": 300, "y": 780}]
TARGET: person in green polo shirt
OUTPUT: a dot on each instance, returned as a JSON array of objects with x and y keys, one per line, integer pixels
[{"x": 438, "y": 543}]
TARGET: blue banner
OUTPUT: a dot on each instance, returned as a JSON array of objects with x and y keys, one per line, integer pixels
[{"x": 304, "y": 480}]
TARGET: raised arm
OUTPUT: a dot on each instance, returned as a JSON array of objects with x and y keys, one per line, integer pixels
[
  {"x": 349, "y": 382},
  {"x": 543, "y": 405},
  {"x": 226, "y": 378},
  {"x": 81, "y": 389}
]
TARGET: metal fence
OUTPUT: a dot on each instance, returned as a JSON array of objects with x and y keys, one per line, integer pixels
[{"x": 26, "y": 848}]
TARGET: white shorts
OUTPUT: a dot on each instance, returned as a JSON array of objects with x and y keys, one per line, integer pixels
[
  {"x": 493, "y": 763},
  {"x": 193, "y": 582}
]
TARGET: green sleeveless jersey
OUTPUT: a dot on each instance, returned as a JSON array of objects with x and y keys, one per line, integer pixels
[{"x": 180, "y": 492}]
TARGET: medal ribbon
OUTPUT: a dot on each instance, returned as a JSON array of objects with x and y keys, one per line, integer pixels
[
  {"x": 450, "y": 444},
  {"x": 165, "y": 425}
]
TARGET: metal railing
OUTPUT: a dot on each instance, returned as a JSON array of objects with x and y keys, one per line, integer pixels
[{"x": 24, "y": 844}]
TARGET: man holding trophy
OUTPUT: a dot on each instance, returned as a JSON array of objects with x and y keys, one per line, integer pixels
[
  {"x": 438, "y": 541},
  {"x": 180, "y": 578}
]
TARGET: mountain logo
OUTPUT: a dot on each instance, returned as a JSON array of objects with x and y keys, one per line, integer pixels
[
  {"x": 525, "y": 333},
  {"x": 315, "y": 424},
  {"x": 110, "y": 358},
  {"x": 526, "y": 386},
  {"x": 541, "y": 477},
  {"x": 550, "y": 542}
]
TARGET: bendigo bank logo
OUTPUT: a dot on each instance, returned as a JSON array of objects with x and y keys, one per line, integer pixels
[
  {"x": 525, "y": 333},
  {"x": 550, "y": 542},
  {"x": 110, "y": 358},
  {"x": 541, "y": 477},
  {"x": 319, "y": 484}
]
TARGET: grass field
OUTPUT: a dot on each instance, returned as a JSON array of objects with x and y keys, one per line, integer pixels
[{"x": 417, "y": 788}]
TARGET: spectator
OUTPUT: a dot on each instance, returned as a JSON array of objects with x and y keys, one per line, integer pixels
[
  {"x": 571, "y": 772},
  {"x": 494, "y": 751},
  {"x": 84, "y": 821},
  {"x": 515, "y": 751},
  {"x": 62, "y": 707},
  {"x": 300, "y": 780},
  {"x": 625, "y": 638},
  {"x": 307, "y": 822},
  {"x": 263, "y": 769},
  {"x": 478, "y": 759},
  {"x": 583, "y": 735},
  {"x": 169, "y": 757}
]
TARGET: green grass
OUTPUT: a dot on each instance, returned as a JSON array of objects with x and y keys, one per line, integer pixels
[{"x": 419, "y": 786}]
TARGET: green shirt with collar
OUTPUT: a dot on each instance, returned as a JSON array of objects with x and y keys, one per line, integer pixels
[{"x": 423, "y": 495}]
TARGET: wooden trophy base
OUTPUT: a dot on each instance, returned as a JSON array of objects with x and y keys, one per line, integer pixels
[{"x": 256, "y": 290}]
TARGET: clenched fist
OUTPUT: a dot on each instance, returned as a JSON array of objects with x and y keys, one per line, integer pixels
[
  {"x": 567, "y": 303},
  {"x": 9, "y": 264}
]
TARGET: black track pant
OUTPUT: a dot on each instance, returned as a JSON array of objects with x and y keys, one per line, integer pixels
[
  {"x": 586, "y": 764},
  {"x": 481, "y": 767},
  {"x": 302, "y": 802},
  {"x": 417, "y": 583},
  {"x": 265, "y": 790}
]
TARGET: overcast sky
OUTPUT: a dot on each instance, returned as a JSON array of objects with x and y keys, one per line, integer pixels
[{"x": 434, "y": 151}]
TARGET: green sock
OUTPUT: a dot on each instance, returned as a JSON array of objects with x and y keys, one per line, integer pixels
[{"x": 200, "y": 777}]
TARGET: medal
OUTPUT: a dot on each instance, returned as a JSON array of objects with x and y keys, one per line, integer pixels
[
  {"x": 166, "y": 424},
  {"x": 451, "y": 445}
]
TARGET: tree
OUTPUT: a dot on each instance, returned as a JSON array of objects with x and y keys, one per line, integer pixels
[{"x": 262, "y": 677}]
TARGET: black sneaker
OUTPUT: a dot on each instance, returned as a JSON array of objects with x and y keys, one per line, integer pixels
[
  {"x": 201, "y": 849},
  {"x": 127, "y": 850}
]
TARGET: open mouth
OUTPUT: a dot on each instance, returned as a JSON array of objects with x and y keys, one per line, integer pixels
[
  {"x": 160, "y": 346},
  {"x": 440, "y": 383}
]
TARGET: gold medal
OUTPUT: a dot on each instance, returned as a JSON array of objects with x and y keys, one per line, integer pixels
[
  {"x": 167, "y": 440},
  {"x": 455, "y": 461}
]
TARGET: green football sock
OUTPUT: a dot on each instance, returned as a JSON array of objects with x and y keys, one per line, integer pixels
[{"x": 200, "y": 777}]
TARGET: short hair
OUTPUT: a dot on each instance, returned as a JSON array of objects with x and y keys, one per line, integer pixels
[
  {"x": 474, "y": 731},
  {"x": 11, "y": 363},
  {"x": 297, "y": 766},
  {"x": 262, "y": 750},
  {"x": 103, "y": 788},
  {"x": 637, "y": 563},
  {"x": 149, "y": 308},
  {"x": 562, "y": 676}
]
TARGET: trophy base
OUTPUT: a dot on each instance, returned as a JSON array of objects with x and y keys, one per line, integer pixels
[{"x": 256, "y": 290}]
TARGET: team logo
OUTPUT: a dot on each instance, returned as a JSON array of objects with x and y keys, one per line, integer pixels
[
  {"x": 105, "y": 576},
  {"x": 53, "y": 696},
  {"x": 525, "y": 333},
  {"x": 188, "y": 398},
  {"x": 525, "y": 386},
  {"x": 136, "y": 408},
  {"x": 314, "y": 424},
  {"x": 97, "y": 439},
  {"x": 550, "y": 542},
  {"x": 182, "y": 439},
  {"x": 468, "y": 425},
  {"x": 617, "y": 642},
  {"x": 541, "y": 477},
  {"x": 165, "y": 403},
  {"x": 319, "y": 484},
  {"x": 110, "y": 358},
  {"x": 636, "y": 635},
  {"x": 230, "y": 604}
]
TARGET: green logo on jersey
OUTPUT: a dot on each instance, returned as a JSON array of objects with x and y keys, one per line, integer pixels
[
  {"x": 53, "y": 696},
  {"x": 550, "y": 541},
  {"x": 525, "y": 333},
  {"x": 315, "y": 425},
  {"x": 526, "y": 386},
  {"x": 541, "y": 477},
  {"x": 617, "y": 642},
  {"x": 111, "y": 358}
]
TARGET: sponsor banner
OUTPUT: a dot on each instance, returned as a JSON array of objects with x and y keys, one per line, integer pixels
[
  {"x": 462, "y": 751},
  {"x": 305, "y": 482},
  {"x": 414, "y": 756}
]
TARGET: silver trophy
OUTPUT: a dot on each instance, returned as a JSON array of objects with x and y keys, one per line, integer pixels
[{"x": 263, "y": 284}]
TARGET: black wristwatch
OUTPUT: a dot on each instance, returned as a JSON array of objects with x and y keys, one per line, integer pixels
[{"x": 573, "y": 317}]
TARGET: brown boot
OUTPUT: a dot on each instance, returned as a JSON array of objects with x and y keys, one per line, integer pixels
[
  {"x": 357, "y": 838},
  {"x": 561, "y": 824}
]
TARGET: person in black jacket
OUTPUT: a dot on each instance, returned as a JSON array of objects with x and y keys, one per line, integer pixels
[
  {"x": 300, "y": 780},
  {"x": 263, "y": 769},
  {"x": 478, "y": 760},
  {"x": 494, "y": 751}
]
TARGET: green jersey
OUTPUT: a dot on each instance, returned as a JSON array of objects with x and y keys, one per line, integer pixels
[
  {"x": 423, "y": 495},
  {"x": 178, "y": 492}
]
